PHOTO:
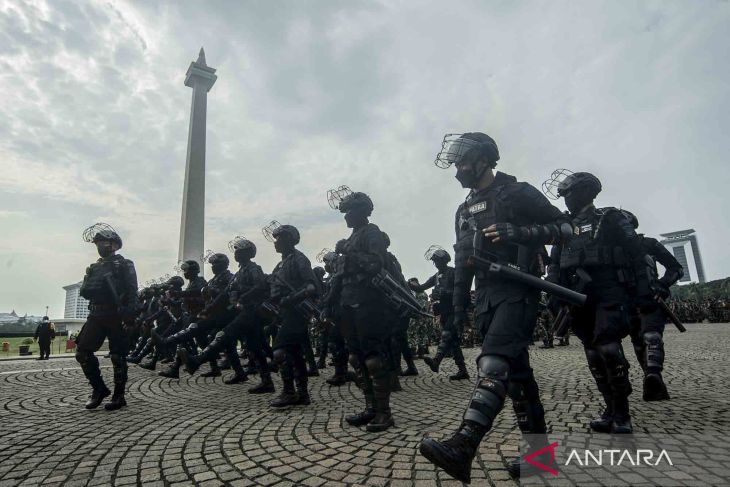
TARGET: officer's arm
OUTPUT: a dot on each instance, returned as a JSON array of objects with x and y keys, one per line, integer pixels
[
  {"x": 307, "y": 275},
  {"x": 37, "y": 331},
  {"x": 431, "y": 282},
  {"x": 550, "y": 224},
  {"x": 627, "y": 238},
  {"x": 463, "y": 274},
  {"x": 130, "y": 283},
  {"x": 673, "y": 269}
]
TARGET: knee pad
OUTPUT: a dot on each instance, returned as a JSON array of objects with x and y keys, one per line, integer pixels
[
  {"x": 82, "y": 357},
  {"x": 597, "y": 368},
  {"x": 279, "y": 356},
  {"x": 490, "y": 390},
  {"x": 446, "y": 336},
  {"x": 617, "y": 367},
  {"x": 375, "y": 365}
]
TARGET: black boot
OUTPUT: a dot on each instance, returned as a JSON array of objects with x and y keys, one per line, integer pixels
[
  {"x": 303, "y": 394},
  {"x": 97, "y": 396},
  {"x": 461, "y": 374},
  {"x": 264, "y": 387},
  {"x": 519, "y": 468},
  {"x": 455, "y": 454},
  {"x": 434, "y": 363},
  {"x": 118, "y": 400},
  {"x": 214, "y": 371},
  {"x": 381, "y": 394},
  {"x": 188, "y": 360},
  {"x": 364, "y": 417},
  {"x": 322, "y": 362},
  {"x": 312, "y": 371},
  {"x": 654, "y": 387},
  {"x": 411, "y": 370},
  {"x": 546, "y": 344},
  {"x": 394, "y": 382},
  {"x": 150, "y": 364},
  {"x": 621, "y": 424},
  {"x": 288, "y": 396},
  {"x": 603, "y": 424},
  {"x": 340, "y": 376},
  {"x": 172, "y": 371}
]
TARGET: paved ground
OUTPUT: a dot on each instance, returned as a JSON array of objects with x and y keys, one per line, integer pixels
[{"x": 200, "y": 431}]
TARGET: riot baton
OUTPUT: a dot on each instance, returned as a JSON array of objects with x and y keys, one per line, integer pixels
[{"x": 556, "y": 290}]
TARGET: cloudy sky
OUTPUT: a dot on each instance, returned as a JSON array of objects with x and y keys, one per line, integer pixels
[{"x": 311, "y": 95}]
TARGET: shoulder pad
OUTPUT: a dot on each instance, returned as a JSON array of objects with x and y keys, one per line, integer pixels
[{"x": 608, "y": 209}]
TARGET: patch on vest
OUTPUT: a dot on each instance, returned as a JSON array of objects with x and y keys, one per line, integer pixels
[
  {"x": 478, "y": 207},
  {"x": 586, "y": 228}
]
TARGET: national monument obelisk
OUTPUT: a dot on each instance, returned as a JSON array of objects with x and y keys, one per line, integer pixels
[{"x": 201, "y": 78}]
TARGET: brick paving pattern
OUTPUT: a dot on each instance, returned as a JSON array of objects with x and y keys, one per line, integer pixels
[{"x": 199, "y": 431}]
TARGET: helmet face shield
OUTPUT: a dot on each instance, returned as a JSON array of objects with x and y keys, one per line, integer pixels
[
  {"x": 102, "y": 232},
  {"x": 336, "y": 195},
  {"x": 453, "y": 149},
  {"x": 555, "y": 185},
  {"x": 437, "y": 253},
  {"x": 269, "y": 229}
]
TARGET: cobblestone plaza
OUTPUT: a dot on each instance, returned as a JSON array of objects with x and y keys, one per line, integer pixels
[{"x": 199, "y": 431}]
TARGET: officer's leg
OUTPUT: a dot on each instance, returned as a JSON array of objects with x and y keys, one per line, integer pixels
[
  {"x": 324, "y": 338},
  {"x": 90, "y": 339},
  {"x": 617, "y": 369},
  {"x": 377, "y": 370},
  {"x": 652, "y": 330},
  {"x": 118, "y": 347},
  {"x": 455, "y": 347},
  {"x": 288, "y": 395},
  {"x": 308, "y": 353},
  {"x": 301, "y": 373},
  {"x": 443, "y": 346},
  {"x": 598, "y": 370},
  {"x": 637, "y": 340},
  {"x": 339, "y": 358},
  {"x": 455, "y": 454},
  {"x": 525, "y": 395}
]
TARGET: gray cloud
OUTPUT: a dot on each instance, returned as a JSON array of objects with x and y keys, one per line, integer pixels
[{"x": 312, "y": 95}]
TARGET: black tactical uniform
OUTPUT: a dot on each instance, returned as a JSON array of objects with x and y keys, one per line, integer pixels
[
  {"x": 246, "y": 291},
  {"x": 443, "y": 298},
  {"x": 647, "y": 318},
  {"x": 292, "y": 281},
  {"x": 333, "y": 315},
  {"x": 600, "y": 261},
  {"x": 110, "y": 285},
  {"x": 505, "y": 311},
  {"x": 44, "y": 333},
  {"x": 214, "y": 316},
  {"x": 364, "y": 321}
]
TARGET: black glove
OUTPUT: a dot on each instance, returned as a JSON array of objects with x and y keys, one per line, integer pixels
[
  {"x": 507, "y": 232},
  {"x": 660, "y": 289}
]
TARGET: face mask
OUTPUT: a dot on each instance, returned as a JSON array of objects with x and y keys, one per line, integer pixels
[
  {"x": 577, "y": 199},
  {"x": 465, "y": 175},
  {"x": 189, "y": 275},
  {"x": 218, "y": 268},
  {"x": 355, "y": 217},
  {"x": 240, "y": 256},
  {"x": 104, "y": 250}
]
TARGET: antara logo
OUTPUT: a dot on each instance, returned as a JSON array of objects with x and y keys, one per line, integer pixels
[
  {"x": 619, "y": 457},
  {"x": 598, "y": 458}
]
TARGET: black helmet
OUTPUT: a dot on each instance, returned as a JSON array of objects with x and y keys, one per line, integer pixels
[
  {"x": 455, "y": 147},
  {"x": 45, "y": 318},
  {"x": 436, "y": 252},
  {"x": 632, "y": 218},
  {"x": 176, "y": 282},
  {"x": 218, "y": 259},
  {"x": 319, "y": 272},
  {"x": 356, "y": 200},
  {"x": 242, "y": 243},
  {"x": 341, "y": 246},
  {"x": 102, "y": 231},
  {"x": 274, "y": 230},
  {"x": 190, "y": 265},
  {"x": 579, "y": 179}
]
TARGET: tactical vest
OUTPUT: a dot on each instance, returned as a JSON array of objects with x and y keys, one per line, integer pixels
[
  {"x": 443, "y": 289},
  {"x": 288, "y": 270},
  {"x": 96, "y": 288},
  {"x": 591, "y": 247}
]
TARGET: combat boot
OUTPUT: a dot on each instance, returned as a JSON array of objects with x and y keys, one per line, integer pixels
[
  {"x": 381, "y": 395},
  {"x": 322, "y": 363},
  {"x": 455, "y": 454},
  {"x": 603, "y": 424},
  {"x": 97, "y": 396},
  {"x": 117, "y": 401},
  {"x": 313, "y": 371},
  {"x": 288, "y": 397},
  {"x": 411, "y": 370},
  {"x": 519, "y": 468},
  {"x": 434, "y": 363},
  {"x": 303, "y": 394},
  {"x": 340, "y": 376},
  {"x": 546, "y": 344},
  {"x": 364, "y": 417},
  {"x": 461, "y": 374},
  {"x": 264, "y": 387},
  {"x": 214, "y": 371},
  {"x": 171, "y": 372},
  {"x": 654, "y": 388},
  {"x": 150, "y": 364},
  {"x": 189, "y": 361},
  {"x": 236, "y": 379},
  {"x": 395, "y": 382},
  {"x": 621, "y": 424}
]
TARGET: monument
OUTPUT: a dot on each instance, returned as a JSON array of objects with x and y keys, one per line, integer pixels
[{"x": 201, "y": 78}]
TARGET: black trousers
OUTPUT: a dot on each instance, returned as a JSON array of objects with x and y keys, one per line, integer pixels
[
  {"x": 91, "y": 337},
  {"x": 45, "y": 347}
]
